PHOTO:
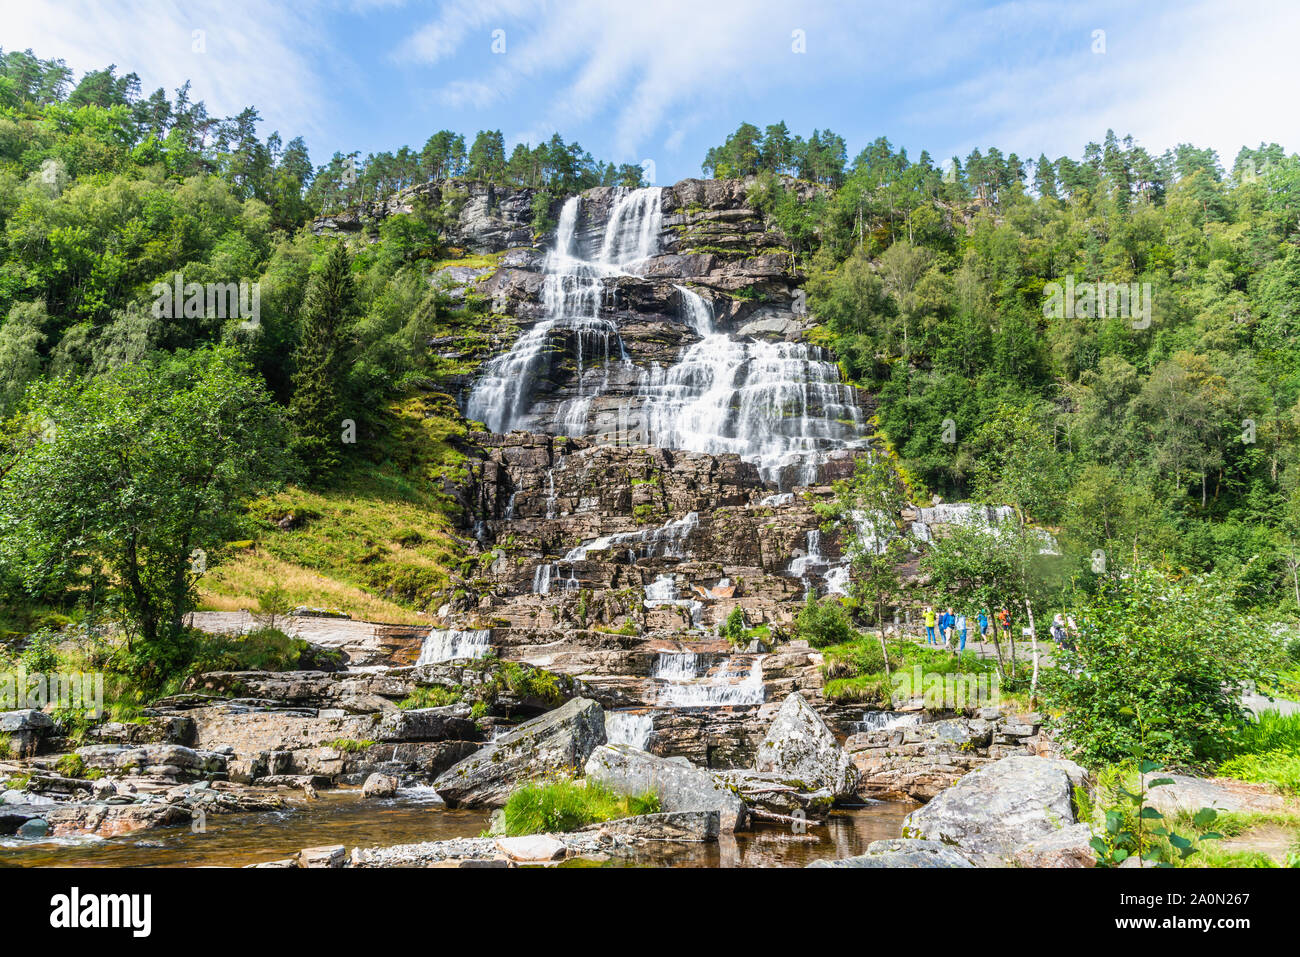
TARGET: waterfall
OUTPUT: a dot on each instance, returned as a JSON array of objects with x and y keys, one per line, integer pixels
[
  {"x": 632, "y": 728},
  {"x": 573, "y": 291},
  {"x": 676, "y": 666},
  {"x": 835, "y": 575},
  {"x": 663, "y": 591},
  {"x": 780, "y": 405},
  {"x": 444, "y": 645},
  {"x": 885, "y": 721},
  {"x": 547, "y": 575},
  {"x": 723, "y": 687},
  {"x": 667, "y": 540}
]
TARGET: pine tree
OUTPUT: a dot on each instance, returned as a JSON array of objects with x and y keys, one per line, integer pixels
[{"x": 316, "y": 410}]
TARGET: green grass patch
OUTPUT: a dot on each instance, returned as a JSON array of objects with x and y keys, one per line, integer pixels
[
  {"x": 431, "y": 697},
  {"x": 1278, "y": 768},
  {"x": 564, "y": 805},
  {"x": 349, "y": 745}
]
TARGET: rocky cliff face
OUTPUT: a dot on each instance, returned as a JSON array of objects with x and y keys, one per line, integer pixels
[{"x": 658, "y": 437}]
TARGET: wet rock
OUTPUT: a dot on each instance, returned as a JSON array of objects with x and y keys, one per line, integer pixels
[
  {"x": 325, "y": 856},
  {"x": 111, "y": 820},
  {"x": 34, "y": 828},
  {"x": 776, "y": 793},
  {"x": 994, "y": 811},
  {"x": 558, "y": 742},
  {"x": 379, "y": 785},
  {"x": 683, "y": 826},
  {"x": 800, "y": 747},
  {"x": 679, "y": 786},
  {"x": 902, "y": 853},
  {"x": 532, "y": 848},
  {"x": 426, "y": 724}
]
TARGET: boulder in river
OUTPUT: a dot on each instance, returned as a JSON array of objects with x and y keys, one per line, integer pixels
[
  {"x": 800, "y": 747},
  {"x": 379, "y": 785},
  {"x": 902, "y": 852},
  {"x": 680, "y": 785},
  {"x": 991, "y": 813},
  {"x": 558, "y": 742}
]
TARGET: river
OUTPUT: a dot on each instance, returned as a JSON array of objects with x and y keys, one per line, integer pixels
[{"x": 343, "y": 817}]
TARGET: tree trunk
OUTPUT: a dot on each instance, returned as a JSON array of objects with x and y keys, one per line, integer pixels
[{"x": 1033, "y": 636}]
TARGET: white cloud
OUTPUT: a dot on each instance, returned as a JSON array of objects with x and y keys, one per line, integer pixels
[
  {"x": 254, "y": 53},
  {"x": 1020, "y": 75}
]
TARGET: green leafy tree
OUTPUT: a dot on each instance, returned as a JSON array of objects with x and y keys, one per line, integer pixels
[
  {"x": 137, "y": 476},
  {"x": 868, "y": 510}
]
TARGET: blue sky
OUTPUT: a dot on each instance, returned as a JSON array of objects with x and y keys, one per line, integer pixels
[{"x": 665, "y": 80}]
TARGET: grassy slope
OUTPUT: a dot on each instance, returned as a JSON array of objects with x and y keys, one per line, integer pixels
[{"x": 380, "y": 544}]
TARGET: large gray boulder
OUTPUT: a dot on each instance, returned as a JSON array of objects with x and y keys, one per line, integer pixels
[
  {"x": 557, "y": 743},
  {"x": 775, "y": 793},
  {"x": 991, "y": 813},
  {"x": 902, "y": 853},
  {"x": 680, "y": 785},
  {"x": 800, "y": 747}
]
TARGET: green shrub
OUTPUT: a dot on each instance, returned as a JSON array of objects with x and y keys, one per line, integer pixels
[
  {"x": 1151, "y": 645},
  {"x": 734, "y": 628},
  {"x": 564, "y": 805},
  {"x": 823, "y": 623},
  {"x": 41, "y": 653}
]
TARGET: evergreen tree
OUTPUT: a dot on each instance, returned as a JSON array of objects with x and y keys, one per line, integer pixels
[{"x": 316, "y": 410}]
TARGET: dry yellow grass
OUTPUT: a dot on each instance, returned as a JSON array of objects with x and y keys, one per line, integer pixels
[{"x": 233, "y": 585}]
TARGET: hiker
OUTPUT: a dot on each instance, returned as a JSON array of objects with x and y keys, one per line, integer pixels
[
  {"x": 984, "y": 625},
  {"x": 961, "y": 629},
  {"x": 1058, "y": 630},
  {"x": 949, "y": 621},
  {"x": 929, "y": 625},
  {"x": 1004, "y": 619}
]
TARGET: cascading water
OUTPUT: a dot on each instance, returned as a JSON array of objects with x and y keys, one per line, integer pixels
[
  {"x": 885, "y": 721},
  {"x": 836, "y": 576},
  {"x": 663, "y": 591},
  {"x": 780, "y": 405},
  {"x": 447, "y": 644},
  {"x": 572, "y": 294},
  {"x": 632, "y": 728},
  {"x": 681, "y": 687},
  {"x": 667, "y": 541}
]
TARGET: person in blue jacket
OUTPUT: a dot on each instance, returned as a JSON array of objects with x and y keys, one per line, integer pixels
[
  {"x": 984, "y": 624},
  {"x": 946, "y": 621},
  {"x": 961, "y": 630}
]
